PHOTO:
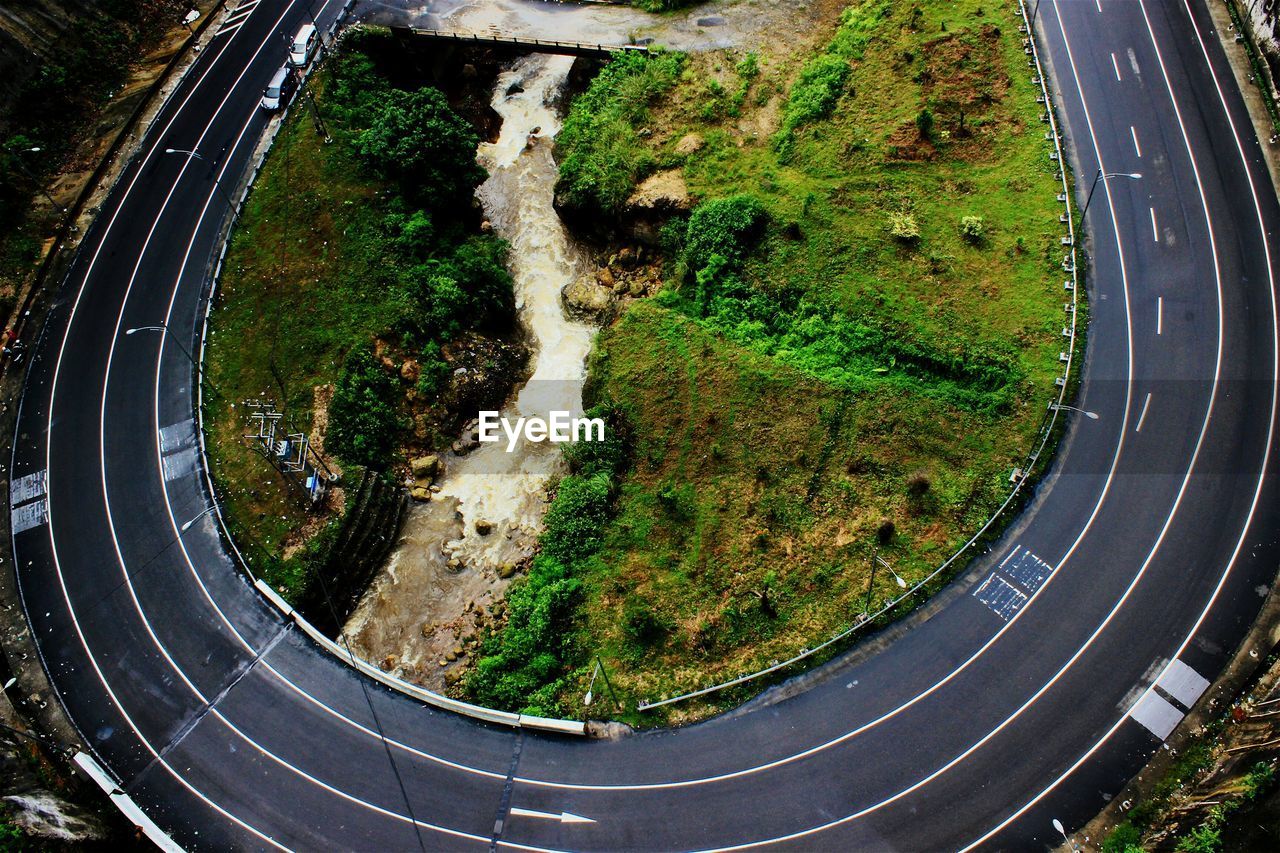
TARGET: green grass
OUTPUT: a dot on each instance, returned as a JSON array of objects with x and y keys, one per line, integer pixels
[
  {"x": 830, "y": 384},
  {"x": 333, "y": 257}
]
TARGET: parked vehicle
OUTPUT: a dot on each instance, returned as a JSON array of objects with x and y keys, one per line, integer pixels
[
  {"x": 281, "y": 88},
  {"x": 304, "y": 46}
]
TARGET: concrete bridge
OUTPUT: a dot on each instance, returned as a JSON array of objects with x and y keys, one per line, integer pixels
[{"x": 568, "y": 48}]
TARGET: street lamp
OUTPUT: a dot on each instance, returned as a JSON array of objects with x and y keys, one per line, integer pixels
[
  {"x": 1093, "y": 416},
  {"x": 164, "y": 330},
  {"x": 216, "y": 183},
  {"x": 188, "y": 525},
  {"x": 1057, "y": 824},
  {"x": 896, "y": 577},
  {"x": 36, "y": 149},
  {"x": 1098, "y": 178}
]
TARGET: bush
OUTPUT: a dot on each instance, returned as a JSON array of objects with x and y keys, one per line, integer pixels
[
  {"x": 813, "y": 96},
  {"x": 363, "y": 418},
  {"x": 904, "y": 228},
  {"x": 1202, "y": 839},
  {"x": 924, "y": 124},
  {"x": 575, "y": 521},
  {"x": 416, "y": 140},
  {"x": 601, "y": 160},
  {"x": 973, "y": 229},
  {"x": 727, "y": 227}
]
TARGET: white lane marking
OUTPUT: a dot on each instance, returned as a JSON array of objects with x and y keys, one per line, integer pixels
[
  {"x": 115, "y": 700},
  {"x": 62, "y": 584},
  {"x": 1275, "y": 401},
  {"x": 1159, "y": 315},
  {"x": 1155, "y": 229},
  {"x": 1000, "y": 596},
  {"x": 1182, "y": 683},
  {"x": 28, "y": 517},
  {"x": 1132, "y": 584},
  {"x": 1136, "y": 147},
  {"x": 228, "y": 29},
  {"x": 1133, "y": 63},
  {"x": 1098, "y": 3},
  {"x": 1155, "y": 714},
  {"x": 563, "y": 817},
  {"x": 1116, "y": 66},
  {"x": 1142, "y": 417},
  {"x": 26, "y": 488}
]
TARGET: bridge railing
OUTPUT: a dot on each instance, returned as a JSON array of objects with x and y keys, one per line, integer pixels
[{"x": 540, "y": 45}]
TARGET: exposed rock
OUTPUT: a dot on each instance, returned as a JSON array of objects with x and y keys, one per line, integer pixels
[
  {"x": 506, "y": 570},
  {"x": 627, "y": 257},
  {"x": 484, "y": 528},
  {"x": 604, "y": 276},
  {"x": 418, "y": 493},
  {"x": 425, "y": 467},
  {"x": 486, "y": 227},
  {"x": 637, "y": 288},
  {"x": 661, "y": 192},
  {"x": 585, "y": 300},
  {"x": 409, "y": 371},
  {"x": 690, "y": 143}
]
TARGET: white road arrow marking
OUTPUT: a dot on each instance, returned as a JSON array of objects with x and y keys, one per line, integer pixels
[{"x": 563, "y": 817}]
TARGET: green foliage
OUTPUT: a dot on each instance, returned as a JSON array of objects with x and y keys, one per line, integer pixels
[
  {"x": 924, "y": 123},
  {"x": 973, "y": 229},
  {"x": 903, "y": 227},
  {"x": 1123, "y": 839},
  {"x": 822, "y": 80},
  {"x": 601, "y": 157},
  {"x": 643, "y": 624},
  {"x": 1202, "y": 839},
  {"x": 416, "y": 140},
  {"x": 364, "y": 422},
  {"x": 434, "y": 370},
  {"x": 1259, "y": 780},
  {"x": 727, "y": 227},
  {"x": 523, "y": 665}
]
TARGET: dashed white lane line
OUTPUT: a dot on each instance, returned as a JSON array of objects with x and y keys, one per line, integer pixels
[
  {"x": 1133, "y": 63},
  {"x": 1155, "y": 229},
  {"x": 1159, "y": 315},
  {"x": 1142, "y": 417},
  {"x": 1136, "y": 147},
  {"x": 1116, "y": 66},
  {"x": 1098, "y": 3}
]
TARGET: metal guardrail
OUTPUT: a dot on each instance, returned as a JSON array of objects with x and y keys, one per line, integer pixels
[
  {"x": 1022, "y": 475},
  {"x": 573, "y": 48}
]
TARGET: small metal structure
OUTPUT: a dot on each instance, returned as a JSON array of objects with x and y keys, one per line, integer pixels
[{"x": 290, "y": 452}]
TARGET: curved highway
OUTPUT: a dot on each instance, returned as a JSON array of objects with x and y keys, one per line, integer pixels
[{"x": 1029, "y": 696}]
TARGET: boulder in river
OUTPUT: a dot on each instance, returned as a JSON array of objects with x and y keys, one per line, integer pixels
[
  {"x": 425, "y": 467},
  {"x": 586, "y": 300},
  {"x": 484, "y": 528}
]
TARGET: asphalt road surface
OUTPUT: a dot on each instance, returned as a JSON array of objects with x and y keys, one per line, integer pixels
[{"x": 1141, "y": 559}]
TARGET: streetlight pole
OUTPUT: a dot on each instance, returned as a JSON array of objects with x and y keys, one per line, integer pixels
[
  {"x": 896, "y": 577},
  {"x": 188, "y": 525},
  {"x": 871, "y": 581},
  {"x": 1093, "y": 416},
  {"x": 164, "y": 330},
  {"x": 1097, "y": 179},
  {"x": 36, "y": 149},
  {"x": 231, "y": 205}
]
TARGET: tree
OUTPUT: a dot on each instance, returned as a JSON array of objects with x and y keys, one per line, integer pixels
[
  {"x": 363, "y": 420},
  {"x": 415, "y": 139}
]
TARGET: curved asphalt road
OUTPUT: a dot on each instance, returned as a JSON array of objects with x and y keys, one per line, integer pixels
[{"x": 1148, "y": 542}]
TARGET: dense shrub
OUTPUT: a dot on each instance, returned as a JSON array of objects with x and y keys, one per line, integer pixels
[
  {"x": 600, "y": 158},
  {"x": 416, "y": 140},
  {"x": 727, "y": 227},
  {"x": 363, "y": 418}
]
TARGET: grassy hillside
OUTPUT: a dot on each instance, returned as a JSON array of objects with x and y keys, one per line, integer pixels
[{"x": 856, "y": 343}]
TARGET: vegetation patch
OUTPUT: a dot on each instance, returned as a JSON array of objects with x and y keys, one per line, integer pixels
[
  {"x": 357, "y": 282},
  {"x": 855, "y": 345}
]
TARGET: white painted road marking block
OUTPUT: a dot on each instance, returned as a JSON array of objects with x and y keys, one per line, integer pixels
[
  {"x": 32, "y": 515},
  {"x": 1001, "y": 596},
  {"x": 1155, "y": 714},
  {"x": 1182, "y": 683},
  {"x": 26, "y": 488}
]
